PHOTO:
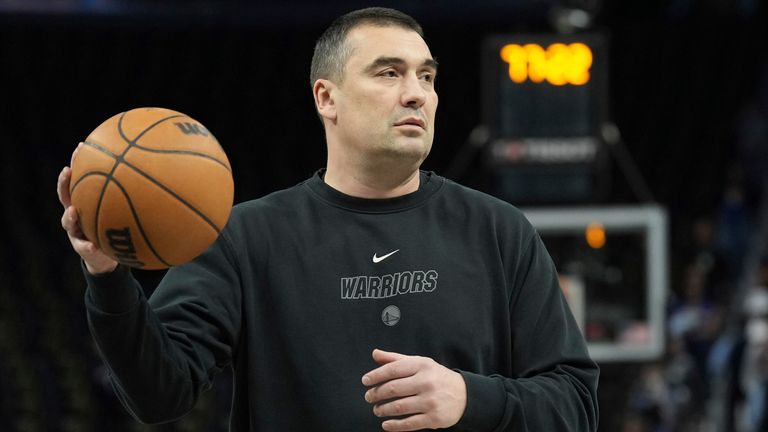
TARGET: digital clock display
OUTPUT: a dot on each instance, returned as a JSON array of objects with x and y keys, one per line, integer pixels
[
  {"x": 544, "y": 86},
  {"x": 558, "y": 64}
]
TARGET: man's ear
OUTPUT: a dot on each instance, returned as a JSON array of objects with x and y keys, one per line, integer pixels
[{"x": 324, "y": 92}]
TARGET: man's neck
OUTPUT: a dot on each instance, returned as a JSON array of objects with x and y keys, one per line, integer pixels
[{"x": 372, "y": 185}]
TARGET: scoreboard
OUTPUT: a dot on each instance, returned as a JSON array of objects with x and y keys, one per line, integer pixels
[{"x": 544, "y": 102}]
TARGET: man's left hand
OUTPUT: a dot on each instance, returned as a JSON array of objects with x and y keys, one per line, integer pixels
[{"x": 421, "y": 392}]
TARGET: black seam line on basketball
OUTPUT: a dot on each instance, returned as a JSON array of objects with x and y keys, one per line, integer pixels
[
  {"x": 150, "y": 127},
  {"x": 184, "y": 152},
  {"x": 97, "y": 148},
  {"x": 97, "y": 240},
  {"x": 130, "y": 204},
  {"x": 98, "y": 207},
  {"x": 128, "y": 164},
  {"x": 101, "y": 149},
  {"x": 143, "y": 174},
  {"x": 173, "y": 194},
  {"x": 109, "y": 179},
  {"x": 106, "y": 182},
  {"x": 119, "y": 159},
  {"x": 132, "y": 143},
  {"x": 136, "y": 218},
  {"x": 138, "y": 223},
  {"x": 120, "y": 130},
  {"x": 83, "y": 177}
]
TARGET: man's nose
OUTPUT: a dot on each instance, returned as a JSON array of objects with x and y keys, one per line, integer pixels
[{"x": 413, "y": 94}]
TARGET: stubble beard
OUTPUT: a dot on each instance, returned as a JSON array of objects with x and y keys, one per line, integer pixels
[{"x": 393, "y": 153}]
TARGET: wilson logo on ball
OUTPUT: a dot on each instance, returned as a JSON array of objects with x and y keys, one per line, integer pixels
[
  {"x": 121, "y": 242},
  {"x": 192, "y": 129}
]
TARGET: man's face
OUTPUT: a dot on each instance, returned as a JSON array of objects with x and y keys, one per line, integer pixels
[{"x": 386, "y": 101}]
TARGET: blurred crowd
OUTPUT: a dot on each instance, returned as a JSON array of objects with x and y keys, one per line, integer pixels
[{"x": 714, "y": 376}]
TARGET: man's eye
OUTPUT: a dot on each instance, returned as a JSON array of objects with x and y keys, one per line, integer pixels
[
  {"x": 389, "y": 73},
  {"x": 428, "y": 77}
]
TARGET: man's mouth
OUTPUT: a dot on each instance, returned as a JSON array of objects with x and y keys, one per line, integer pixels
[{"x": 412, "y": 121}]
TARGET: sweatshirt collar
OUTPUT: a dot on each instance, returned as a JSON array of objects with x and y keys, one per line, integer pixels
[{"x": 429, "y": 184}]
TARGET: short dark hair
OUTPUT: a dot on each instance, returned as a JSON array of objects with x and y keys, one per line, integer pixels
[{"x": 331, "y": 51}]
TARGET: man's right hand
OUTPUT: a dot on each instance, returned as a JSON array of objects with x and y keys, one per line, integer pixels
[{"x": 96, "y": 261}]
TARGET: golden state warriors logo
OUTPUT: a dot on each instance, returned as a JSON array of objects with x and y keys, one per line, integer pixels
[{"x": 391, "y": 315}]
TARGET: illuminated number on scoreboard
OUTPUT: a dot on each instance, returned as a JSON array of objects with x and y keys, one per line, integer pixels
[{"x": 559, "y": 64}]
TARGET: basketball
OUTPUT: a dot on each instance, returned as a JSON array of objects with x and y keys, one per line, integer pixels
[{"x": 152, "y": 187}]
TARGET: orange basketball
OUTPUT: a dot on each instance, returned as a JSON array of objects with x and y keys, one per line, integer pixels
[{"x": 152, "y": 187}]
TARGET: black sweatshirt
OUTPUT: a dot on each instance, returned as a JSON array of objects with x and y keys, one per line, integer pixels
[{"x": 303, "y": 284}]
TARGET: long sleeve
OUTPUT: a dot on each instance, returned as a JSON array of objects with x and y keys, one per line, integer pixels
[
  {"x": 291, "y": 298},
  {"x": 553, "y": 386},
  {"x": 162, "y": 353}
]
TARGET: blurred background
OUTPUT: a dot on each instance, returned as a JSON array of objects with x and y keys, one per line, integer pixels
[{"x": 633, "y": 133}]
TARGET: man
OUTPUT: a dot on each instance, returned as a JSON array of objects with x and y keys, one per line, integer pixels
[{"x": 371, "y": 296}]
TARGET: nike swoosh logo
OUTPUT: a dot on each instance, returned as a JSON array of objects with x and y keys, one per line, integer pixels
[{"x": 377, "y": 259}]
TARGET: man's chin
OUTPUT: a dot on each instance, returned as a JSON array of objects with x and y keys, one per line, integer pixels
[{"x": 407, "y": 152}]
